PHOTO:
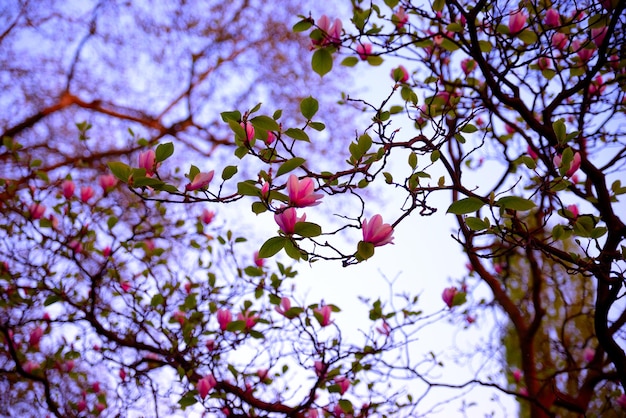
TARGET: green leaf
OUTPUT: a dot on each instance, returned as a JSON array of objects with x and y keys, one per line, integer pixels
[
  {"x": 528, "y": 37},
  {"x": 157, "y": 300},
  {"x": 322, "y": 61},
  {"x": 375, "y": 60},
  {"x": 434, "y": 156},
  {"x": 111, "y": 222},
  {"x": 188, "y": 399},
  {"x": 309, "y": 107},
  {"x": 264, "y": 122},
  {"x": 248, "y": 188},
  {"x": 147, "y": 182},
  {"x": 559, "y": 130},
  {"x": 469, "y": 129},
  {"x": 413, "y": 160},
  {"x": 318, "y": 126},
  {"x": 164, "y": 151},
  {"x": 229, "y": 172},
  {"x": 350, "y": 61},
  {"x": 365, "y": 250},
  {"x": 438, "y": 5},
  {"x": 515, "y": 203},
  {"x": 272, "y": 246},
  {"x": 303, "y": 25},
  {"x": 258, "y": 207},
  {"x": 51, "y": 300},
  {"x": 307, "y": 229},
  {"x": 120, "y": 170},
  {"x": 234, "y": 115},
  {"x": 476, "y": 224},
  {"x": 467, "y": 205},
  {"x": 396, "y": 109},
  {"x": 298, "y": 134},
  {"x": 290, "y": 165},
  {"x": 485, "y": 46}
]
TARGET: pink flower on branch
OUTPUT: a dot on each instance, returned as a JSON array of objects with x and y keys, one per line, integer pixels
[
  {"x": 553, "y": 18},
  {"x": 301, "y": 192},
  {"x": 248, "y": 318},
  {"x": 287, "y": 220},
  {"x": 376, "y": 232},
  {"x": 247, "y": 126},
  {"x": 448, "y": 296},
  {"x": 36, "y": 210},
  {"x": 400, "y": 74},
  {"x": 224, "y": 317},
  {"x": 285, "y": 305},
  {"x": 86, "y": 193},
  {"x": 323, "y": 315},
  {"x": 200, "y": 181},
  {"x": 207, "y": 216},
  {"x": 400, "y": 18},
  {"x": 364, "y": 51},
  {"x": 68, "y": 188},
  {"x": 343, "y": 383},
  {"x": 331, "y": 32},
  {"x": 517, "y": 21},
  {"x": 574, "y": 165},
  {"x": 147, "y": 161},
  {"x": 205, "y": 385},
  {"x": 107, "y": 182}
]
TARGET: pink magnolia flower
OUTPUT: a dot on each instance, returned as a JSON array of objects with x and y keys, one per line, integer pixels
[
  {"x": 621, "y": 401},
  {"x": 343, "y": 384},
  {"x": 400, "y": 74},
  {"x": 107, "y": 181},
  {"x": 287, "y": 220},
  {"x": 122, "y": 374},
  {"x": 324, "y": 315},
  {"x": 35, "y": 336},
  {"x": 265, "y": 189},
  {"x": 262, "y": 373},
  {"x": 574, "y": 166},
  {"x": 205, "y": 385},
  {"x": 376, "y": 232},
  {"x": 509, "y": 129},
  {"x": 584, "y": 54},
  {"x": 76, "y": 246},
  {"x": 36, "y": 210},
  {"x": 81, "y": 405},
  {"x": 259, "y": 262},
  {"x": 247, "y": 126},
  {"x": 68, "y": 188},
  {"x": 207, "y": 216},
  {"x": 125, "y": 285},
  {"x": 285, "y": 305},
  {"x": 200, "y": 181},
  {"x": 517, "y": 375},
  {"x": 598, "y": 35},
  {"x": 147, "y": 160},
  {"x": 544, "y": 63},
  {"x": 468, "y": 65},
  {"x": 319, "y": 367},
  {"x": 86, "y": 193},
  {"x": 188, "y": 286},
  {"x": 384, "y": 329},
  {"x": 223, "y": 318},
  {"x": 589, "y": 354},
  {"x": 301, "y": 192},
  {"x": 210, "y": 345},
  {"x": 179, "y": 317},
  {"x": 270, "y": 138},
  {"x": 30, "y": 366},
  {"x": 523, "y": 392},
  {"x": 553, "y": 18},
  {"x": 400, "y": 18},
  {"x": 598, "y": 86},
  {"x": 364, "y": 51},
  {"x": 559, "y": 40},
  {"x": 574, "y": 210},
  {"x": 248, "y": 318},
  {"x": 312, "y": 413},
  {"x": 517, "y": 21},
  {"x": 531, "y": 153},
  {"x": 448, "y": 295},
  {"x": 332, "y": 32}
]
